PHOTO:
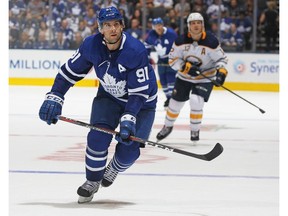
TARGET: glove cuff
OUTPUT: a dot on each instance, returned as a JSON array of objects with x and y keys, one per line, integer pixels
[
  {"x": 223, "y": 71},
  {"x": 128, "y": 117},
  {"x": 56, "y": 97}
]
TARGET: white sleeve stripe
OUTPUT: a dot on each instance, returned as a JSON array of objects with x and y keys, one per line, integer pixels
[
  {"x": 124, "y": 100},
  {"x": 138, "y": 89},
  {"x": 67, "y": 78},
  {"x": 139, "y": 94},
  {"x": 152, "y": 98},
  {"x": 71, "y": 72}
]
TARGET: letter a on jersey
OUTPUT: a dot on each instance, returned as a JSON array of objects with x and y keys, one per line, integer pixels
[{"x": 121, "y": 68}]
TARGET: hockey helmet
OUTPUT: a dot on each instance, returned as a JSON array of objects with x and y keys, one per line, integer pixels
[
  {"x": 108, "y": 14},
  {"x": 195, "y": 16},
  {"x": 156, "y": 21}
]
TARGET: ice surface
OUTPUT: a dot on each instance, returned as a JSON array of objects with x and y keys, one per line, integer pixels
[{"x": 46, "y": 163}]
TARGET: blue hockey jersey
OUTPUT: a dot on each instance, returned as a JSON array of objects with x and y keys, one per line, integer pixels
[
  {"x": 124, "y": 74},
  {"x": 162, "y": 44}
]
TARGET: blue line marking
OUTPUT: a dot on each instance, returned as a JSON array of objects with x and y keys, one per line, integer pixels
[{"x": 149, "y": 174}]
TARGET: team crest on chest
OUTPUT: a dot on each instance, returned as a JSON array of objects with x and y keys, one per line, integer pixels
[{"x": 109, "y": 83}]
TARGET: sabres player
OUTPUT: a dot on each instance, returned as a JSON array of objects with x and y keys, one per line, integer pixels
[
  {"x": 161, "y": 38},
  {"x": 127, "y": 96},
  {"x": 193, "y": 53}
]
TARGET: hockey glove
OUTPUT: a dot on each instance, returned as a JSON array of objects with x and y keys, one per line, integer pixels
[
  {"x": 127, "y": 129},
  {"x": 220, "y": 76},
  {"x": 51, "y": 107},
  {"x": 152, "y": 62},
  {"x": 191, "y": 69}
]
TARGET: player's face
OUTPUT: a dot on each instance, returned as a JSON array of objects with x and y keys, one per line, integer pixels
[
  {"x": 195, "y": 27},
  {"x": 159, "y": 29},
  {"x": 112, "y": 31}
]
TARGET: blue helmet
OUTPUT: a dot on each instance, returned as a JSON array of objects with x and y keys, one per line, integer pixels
[
  {"x": 107, "y": 14},
  {"x": 156, "y": 21}
]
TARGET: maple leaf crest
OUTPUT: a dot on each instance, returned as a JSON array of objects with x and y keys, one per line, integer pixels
[
  {"x": 117, "y": 89},
  {"x": 161, "y": 51}
]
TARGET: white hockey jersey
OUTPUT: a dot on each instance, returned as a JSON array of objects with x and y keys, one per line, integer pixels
[{"x": 206, "y": 52}]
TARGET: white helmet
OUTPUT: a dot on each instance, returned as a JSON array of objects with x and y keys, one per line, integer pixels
[{"x": 195, "y": 16}]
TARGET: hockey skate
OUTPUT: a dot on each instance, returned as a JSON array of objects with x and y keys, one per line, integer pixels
[
  {"x": 194, "y": 136},
  {"x": 165, "y": 131},
  {"x": 109, "y": 176},
  {"x": 87, "y": 190}
]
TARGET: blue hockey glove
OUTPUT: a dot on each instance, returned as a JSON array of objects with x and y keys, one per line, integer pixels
[
  {"x": 191, "y": 69},
  {"x": 220, "y": 76},
  {"x": 127, "y": 128},
  {"x": 51, "y": 107}
]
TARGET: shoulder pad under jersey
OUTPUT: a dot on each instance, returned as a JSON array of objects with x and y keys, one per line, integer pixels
[
  {"x": 209, "y": 41},
  {"x": 183, "y": 39}
]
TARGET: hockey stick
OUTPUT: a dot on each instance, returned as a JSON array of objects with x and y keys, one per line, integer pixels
[
  {"x": 215, "y": 152},
  {"x": 213, "y": 81}
]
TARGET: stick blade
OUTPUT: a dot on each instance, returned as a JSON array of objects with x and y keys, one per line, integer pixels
[
  {"x": 215, "y": 152},
  {"x": 262, "y": 111}
]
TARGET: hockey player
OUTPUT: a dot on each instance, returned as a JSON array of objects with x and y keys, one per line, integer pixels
[
  {"x": 193, "y": 53},
  {"x": 161, "y": 38},
  {"x": 127, "y": 95}
]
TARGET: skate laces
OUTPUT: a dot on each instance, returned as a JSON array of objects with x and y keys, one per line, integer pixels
[
  {"x": 165, "y": 130},
  {"x": 110, "y": 174}
]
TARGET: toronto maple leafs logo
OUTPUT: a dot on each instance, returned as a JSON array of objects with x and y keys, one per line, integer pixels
[
  {"x": 161, "y": 51},
  {"x": 117, "y": 89}
]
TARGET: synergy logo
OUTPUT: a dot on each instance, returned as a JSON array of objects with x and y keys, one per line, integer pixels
[
  {"x": 265, "y": 67},
  {"x": 239, "y": 67}
]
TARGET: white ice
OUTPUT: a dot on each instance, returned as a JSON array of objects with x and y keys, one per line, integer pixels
[{"x": 46, "y": 163}]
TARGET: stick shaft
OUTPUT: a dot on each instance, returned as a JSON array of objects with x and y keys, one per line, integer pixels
[
  {"x": 261, "y": 110},
  {"x": 215, "y": 152}
]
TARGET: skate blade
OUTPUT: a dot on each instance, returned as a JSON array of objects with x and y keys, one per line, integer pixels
[
  {"x": 194, "y": 143},
  {"x": 82, "y": 199}
]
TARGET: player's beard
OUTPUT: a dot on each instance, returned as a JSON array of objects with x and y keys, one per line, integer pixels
[{"x": 113, "y": 41}]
